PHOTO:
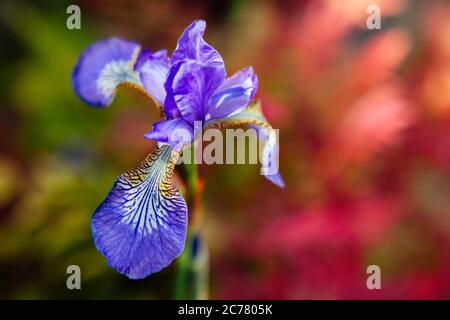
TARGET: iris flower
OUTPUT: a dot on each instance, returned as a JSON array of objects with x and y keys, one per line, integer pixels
[{"x": 141, "y": 225}]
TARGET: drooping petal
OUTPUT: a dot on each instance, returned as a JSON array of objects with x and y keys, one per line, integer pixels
[
  {"x": 270, "y": 154},
  {"x": 192, "y": 46},
  {"x": 153, "y": 69},
  {"x": 252, "y": 117},
  {"x": 189, "y": 86},
  {"x": 233, "y": 95},
  {"x": 102, "y": 67},
  {"x": 176, "y": 132},
  {"x": 141, "y": 225}
]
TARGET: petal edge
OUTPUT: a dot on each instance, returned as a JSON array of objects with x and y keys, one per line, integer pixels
[
  {"x": 141, "y": 225},
  {"x": 102, "y": 67},
  {"x": 252, "y": 116}
]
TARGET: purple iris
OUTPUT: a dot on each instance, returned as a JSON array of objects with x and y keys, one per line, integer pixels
[
  {"x": 141, "y": 225},
  {"x": 193, "y": 86}
]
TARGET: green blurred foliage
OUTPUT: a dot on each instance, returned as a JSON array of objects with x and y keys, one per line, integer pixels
[{"x": 54, "y": 169}]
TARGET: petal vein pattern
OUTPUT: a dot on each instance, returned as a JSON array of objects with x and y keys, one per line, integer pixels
[{"x": 141, "y": 225}]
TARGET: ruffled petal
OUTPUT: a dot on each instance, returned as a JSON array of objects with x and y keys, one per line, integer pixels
[
  {"x": 192, "y": 46},
  {"x": 252, "y": 117},
  {"x": 141, "y": 225},
  {"x": 102, "y": 67},
  {"x": 189, "y": 86},
  {"x": 233, "y": 95},
  {"x": 176, "y": 132},
  {"x": 153, "y": 69}
]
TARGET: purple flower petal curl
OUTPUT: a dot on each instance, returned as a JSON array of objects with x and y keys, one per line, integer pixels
[
  {"x": 191, "y": 46},
  {"x": 153, "y": 69},
  {"x": 189, "y": 86},
  {"x": 252, "y": 117},
  {"x": 176, "y": 132},
  {"x": 233, "y": 95},
  {"x": 102, "y": 67}
]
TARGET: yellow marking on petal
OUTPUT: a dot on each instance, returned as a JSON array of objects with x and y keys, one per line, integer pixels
[
  {"x": 237, "y": 123},
  {"x": 137, "y": 175},
  {"x": 134, "y": 57},
  {"x": 141, "y": 89},
  {"x": 252, "y": 115}
]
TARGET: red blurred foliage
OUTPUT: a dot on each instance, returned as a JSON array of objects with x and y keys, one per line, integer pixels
[{"x": 365, "y": 140}]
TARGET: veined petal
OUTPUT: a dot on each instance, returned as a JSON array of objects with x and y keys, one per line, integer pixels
[
  {"x": 102, "y": 67},
  {"x": 252, "y": 117},
  {"x": 176, "y": 132},
  {"x": 192, "y": 46},
  {"x": 153, "y": 69},
  {"x": 189, "y": 86},
  {"x": 141, "y": 225},
  {"x": 233, "y": 95},
  {"x": 170, "y": 107}
]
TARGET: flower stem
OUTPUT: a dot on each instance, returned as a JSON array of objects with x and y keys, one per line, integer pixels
[{"x": 191, "y": 280}]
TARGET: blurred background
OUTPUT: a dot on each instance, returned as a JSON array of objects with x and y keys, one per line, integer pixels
[{"x": 364, "y": 120}]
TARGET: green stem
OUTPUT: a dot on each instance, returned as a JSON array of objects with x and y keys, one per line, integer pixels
[
  {"x": 181, "y": 277},
  {"x": 191, "y": 280}
]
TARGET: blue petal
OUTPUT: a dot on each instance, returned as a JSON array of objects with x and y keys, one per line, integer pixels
[
  {"x": 270, "y": 155},
  {"x": 170, "y": 107},
  {"x": 102, "y": 67},
  {"x": 153, "y": 68},
  {"x": 176, "y": 132},
  {"x": 192, "y": 46},
  {"x": 141, "y": 225},
  {"x": 276, "y": 179},
  {"x": 233, "y": 95},
  {"x": 253, "y": 117},
  {"x": 189, "y": 86}
]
